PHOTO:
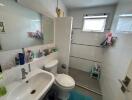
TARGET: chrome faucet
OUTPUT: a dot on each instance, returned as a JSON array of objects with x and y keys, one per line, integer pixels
[{"x": 24, "y": 73}]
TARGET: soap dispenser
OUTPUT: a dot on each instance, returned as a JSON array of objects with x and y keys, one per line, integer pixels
[{"x": 2, "y": 87}]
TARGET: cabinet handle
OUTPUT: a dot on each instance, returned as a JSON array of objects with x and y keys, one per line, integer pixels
[{"x": 124, "y": 86}]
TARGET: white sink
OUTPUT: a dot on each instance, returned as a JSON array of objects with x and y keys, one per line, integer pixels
[{"x": 33, "y": 88}]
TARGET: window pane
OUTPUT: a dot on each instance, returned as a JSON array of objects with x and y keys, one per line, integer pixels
[
  {"x": 124, "y": 25},
  {"x": 96, "y": 25}
]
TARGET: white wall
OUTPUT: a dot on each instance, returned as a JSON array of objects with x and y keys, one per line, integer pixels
[
  {"x": 18, "y": 21},
  {"x": 78, "y": 14},
  {"x": 89, "y": 50},
  {"x": 63, "y": 29},
  {"x": 45, "y": 7},
  {"x": 117, "y": 58}
]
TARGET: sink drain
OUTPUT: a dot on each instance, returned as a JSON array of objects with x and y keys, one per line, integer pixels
[
  {"x": 27, "y": 81},
  {"x": 33, "y": 91}
]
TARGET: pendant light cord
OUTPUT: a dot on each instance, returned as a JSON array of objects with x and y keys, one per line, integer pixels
[{"x": 57, "y": 4}]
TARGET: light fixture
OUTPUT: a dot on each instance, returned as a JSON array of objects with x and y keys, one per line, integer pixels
[
  {"x": 58, "y": 9},
  {"x": 36, "y": 20},
  {"x": 1, "y": 4}
]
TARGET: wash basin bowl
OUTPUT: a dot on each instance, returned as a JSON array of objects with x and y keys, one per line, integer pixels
[{"x": 33, "y": 88}]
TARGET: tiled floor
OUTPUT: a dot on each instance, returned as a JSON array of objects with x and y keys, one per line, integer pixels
[
  {"x": 86, "y": 92},
  {"x": 82, "y": 78}
]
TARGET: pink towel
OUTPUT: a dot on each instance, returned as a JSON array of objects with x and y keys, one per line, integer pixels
[{"x": 109, "y": 38}]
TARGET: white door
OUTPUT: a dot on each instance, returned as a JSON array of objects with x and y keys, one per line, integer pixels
[{"x": 63, "y": 29}]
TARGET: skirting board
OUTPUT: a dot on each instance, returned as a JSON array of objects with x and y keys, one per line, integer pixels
[{"x": 84, "y": 87}]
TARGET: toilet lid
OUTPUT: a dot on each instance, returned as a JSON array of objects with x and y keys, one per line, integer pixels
[
  {"x": 65, "y": 80},
  {"x": 51, "y": 64}
]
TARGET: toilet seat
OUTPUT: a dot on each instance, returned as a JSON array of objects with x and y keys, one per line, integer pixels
[{"x": 65, "y": 81}]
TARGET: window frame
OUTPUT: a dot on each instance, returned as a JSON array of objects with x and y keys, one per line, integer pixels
[{"x": 96, "y": 17}]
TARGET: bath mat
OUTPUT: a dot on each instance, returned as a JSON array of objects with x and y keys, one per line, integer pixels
[{"x": 76, "y": 95}]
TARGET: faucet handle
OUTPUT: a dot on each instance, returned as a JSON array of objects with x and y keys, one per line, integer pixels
[
  {"x": 24, "y": 73},
  {"x": 23, "y": 70}
]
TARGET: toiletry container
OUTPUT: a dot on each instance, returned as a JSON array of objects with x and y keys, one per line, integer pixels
[
  {"x": 21, "y": 58},
  {"x": 2, "y": 86}
]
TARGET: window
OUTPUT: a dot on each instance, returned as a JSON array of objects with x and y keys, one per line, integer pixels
[
  {"x": 94, "y": 23},
  {"x": 124, "y": 24}
]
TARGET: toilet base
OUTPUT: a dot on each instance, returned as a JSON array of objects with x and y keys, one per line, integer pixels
[{"x": 62, "y": 94}]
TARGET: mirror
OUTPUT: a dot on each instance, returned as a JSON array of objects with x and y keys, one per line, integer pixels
[{"x": 21, "y": 27}]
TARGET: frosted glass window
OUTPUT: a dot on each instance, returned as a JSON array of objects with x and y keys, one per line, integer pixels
[
  {"x": 124, "y": 25},
  {"x": 94, "y": 23}
]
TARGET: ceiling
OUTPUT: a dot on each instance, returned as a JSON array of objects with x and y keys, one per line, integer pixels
[{"x": 87, "y": 3}]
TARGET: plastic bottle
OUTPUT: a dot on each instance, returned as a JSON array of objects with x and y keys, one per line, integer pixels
[{"x": 2, "y": 87}]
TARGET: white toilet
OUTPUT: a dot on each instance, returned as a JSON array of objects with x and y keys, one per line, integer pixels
[{"x": 64, "y": 83}]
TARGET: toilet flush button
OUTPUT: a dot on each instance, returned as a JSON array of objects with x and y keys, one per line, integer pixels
[{"x": 65, "y": 80}]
